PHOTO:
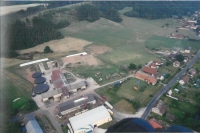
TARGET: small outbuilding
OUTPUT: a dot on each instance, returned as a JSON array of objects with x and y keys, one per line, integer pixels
[{"x": 170, "y": 117}]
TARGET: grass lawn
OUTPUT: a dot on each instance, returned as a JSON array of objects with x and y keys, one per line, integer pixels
[
  {"x": 127, "y": 91},
  {"x": 164, "y": 42},
  {"x": 111, "y": 98},
  {"x": 196, "y": 66},
  {"x": 125, "y": 107},
  {"x": 105, "y": 70},
  {"x": 106, "y": 125}
]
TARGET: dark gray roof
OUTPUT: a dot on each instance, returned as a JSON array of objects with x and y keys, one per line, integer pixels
[
  {"x": 188, "y": 48},
  {"x": 71, "y": 104},
  {"x": 158, "y": 75},
  {"x": 40, "y": 88},
  {"x": 37, "y": 74},
  {"x": 39, "y": 80}
]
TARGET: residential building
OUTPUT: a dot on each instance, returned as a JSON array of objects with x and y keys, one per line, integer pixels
[
  {"x": 149, "y": 70},
  {"x": 188, "y": 55},
  {"x": 159, "y": 76},
  {"x": 192, "y": 72},
  {"x": 86, "y": 122},
  {"x": 158, "y": 62},
  {"x": 154, "y": 124},
  {"x": 184, "y": 79},
  {"x": 31, "y": 124},
  {"x": 76, "y": 104},
  {"x": 146, "y": 77},
  {"x": 176, "y": 64},
  {"x": 153, "y": 65},
  {"x": 185, "y": 59},
  {"x": 170, "y": 117},
  {"x": 159, "y": 108},
  {"x": 172, "y": 56},
  {"x": 188, "y": 49}
]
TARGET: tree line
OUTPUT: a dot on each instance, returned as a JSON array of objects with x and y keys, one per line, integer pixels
[
  {"x": 22, "y": 35},
  {"x": 162, "y": 9},
  {"x": 93, "y": 12}
]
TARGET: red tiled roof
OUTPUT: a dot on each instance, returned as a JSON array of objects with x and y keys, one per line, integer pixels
[
  {"x": 153, "y": 65},
  {"x": 149, "y": 70},
  {"x": 154, "y": 124},
  {"x": 158, "y": 61},
  {"x": 145, "y": 77},
  {"x": 55, "y": 75}
]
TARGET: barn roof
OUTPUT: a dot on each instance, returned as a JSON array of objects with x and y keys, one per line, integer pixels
[{"x": 149, "y": 70}]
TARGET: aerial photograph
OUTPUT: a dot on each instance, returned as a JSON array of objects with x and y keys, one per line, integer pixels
[{"x": 99, "y": 66}]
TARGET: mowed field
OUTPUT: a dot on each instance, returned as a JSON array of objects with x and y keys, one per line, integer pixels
[
  {"x": 66, "y": 44},
  {"x": 163, "y": 42}
]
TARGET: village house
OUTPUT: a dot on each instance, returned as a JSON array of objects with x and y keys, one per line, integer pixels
[
  {"x": 184, "y": 79},
  {"x": 153, "y": 65},
  {"x": 176, "y": 64},
  {"x": 191, "y": 72},
  {"x": 172, "y": 56},
  {"x": 153, "y": 72},
  {"x": 149, "y": 70},
  {"x": 158, "y": 62},
  {"x": 145, "y": 77},
  {"x": 159, "y": 108},
  {"x": 154, "y": 124}
]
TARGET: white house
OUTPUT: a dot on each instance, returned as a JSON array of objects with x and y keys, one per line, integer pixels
[
  {"x": 159, "y": 108},
  {"x": 184, "y": 79}
]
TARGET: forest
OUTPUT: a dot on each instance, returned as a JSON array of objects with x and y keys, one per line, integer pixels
[
  {"x": 28, "y": 34},
  {"x": 162, "y": 10}
]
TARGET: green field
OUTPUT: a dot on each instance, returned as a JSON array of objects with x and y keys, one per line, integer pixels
[
  {"x": 164, "y": 42},
  {"x": 144, "y": 93}
]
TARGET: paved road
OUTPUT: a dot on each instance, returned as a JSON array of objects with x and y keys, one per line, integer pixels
[{"x": 164, "y": 89}]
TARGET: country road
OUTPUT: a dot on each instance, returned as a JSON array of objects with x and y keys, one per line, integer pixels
[{"x": 164, "y": 89}]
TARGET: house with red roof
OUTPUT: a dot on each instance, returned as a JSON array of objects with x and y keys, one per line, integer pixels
[
  {"x": 146, "y": 77},
  {"x": 149, "y": 70},
  {"x": 154, "y": 124}
]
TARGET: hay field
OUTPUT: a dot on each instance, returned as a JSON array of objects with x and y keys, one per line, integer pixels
[
  {"x": 163, "y": 42},
  {"x": 66, "y": 44}
]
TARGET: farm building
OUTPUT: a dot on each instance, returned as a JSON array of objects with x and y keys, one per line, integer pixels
[
  {"x": 153, "y": 65},
  {"x": 145, "y": 77},
  {"x": 176, "y": 64},
  {"x": 37, "y": 75},
  {"x": 39, "y": 80},
  {"x": 31, "y": 124},
  {"x": 59, "y": 80},
  {"x": 40, "y": 88},
  {"x": 87, "y": 121},
  {"x": 178, "y": 36},
  {"x": 149, "y": 70},
  {"x": 76, "y": 104},
  {"x": 55, "y": 94},
  {"x": 159, "y": 108},
  {"x": 184, "y": 79}
]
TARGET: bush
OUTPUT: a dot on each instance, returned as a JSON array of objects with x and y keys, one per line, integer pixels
[{"x": 47, "y": 50}]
